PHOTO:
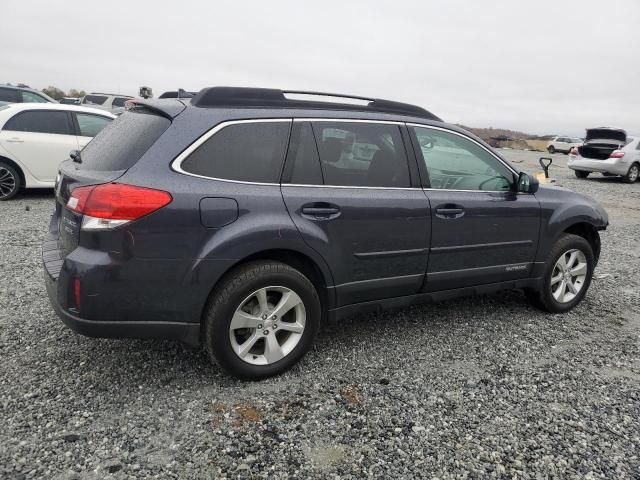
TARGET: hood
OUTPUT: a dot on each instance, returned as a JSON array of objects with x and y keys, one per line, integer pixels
[{"x": 605, "y": 133}]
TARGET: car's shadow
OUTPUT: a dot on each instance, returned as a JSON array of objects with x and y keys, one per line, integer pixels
[{"x": 132, "y": 362}]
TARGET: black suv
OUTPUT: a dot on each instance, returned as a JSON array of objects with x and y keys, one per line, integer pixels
[{"x": 245, "y": 218}]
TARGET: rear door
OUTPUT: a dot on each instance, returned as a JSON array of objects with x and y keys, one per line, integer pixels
[
  {"x": 40, "y": 140},
  {"x": 482, "y": 231},
  {"x": 348, "y": 188}
]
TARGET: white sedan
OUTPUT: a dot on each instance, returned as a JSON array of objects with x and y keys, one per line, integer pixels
[{"x": 35, "y": 138}]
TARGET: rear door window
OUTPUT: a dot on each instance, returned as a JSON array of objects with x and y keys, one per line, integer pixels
[
  {"x": 303, "y": 161},
  {"x": 248, "y": 151},
  {"x": 123, "y": 142},
  {"x": 94, "y": 99},
  {"x": 41, "y": 121},
  {"x": 362, "y": 154},
  {"x": 90, "y": 125}
]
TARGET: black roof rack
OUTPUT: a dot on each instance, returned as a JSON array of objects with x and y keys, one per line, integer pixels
[{"x": 242, "y": 97}]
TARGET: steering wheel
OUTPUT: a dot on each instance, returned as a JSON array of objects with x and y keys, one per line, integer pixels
[
  {"x": 495, "y": 177},
  {"x": 427, "y": 142}
]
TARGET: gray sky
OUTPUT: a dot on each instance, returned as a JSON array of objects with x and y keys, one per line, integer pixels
[{"x": 543, "y": 66}]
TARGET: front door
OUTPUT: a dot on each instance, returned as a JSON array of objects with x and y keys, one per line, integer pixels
[
  {"x": 40, "y": 140},
  {"x": 483, "y": 231},
  {"x": 348, "y": 190}
]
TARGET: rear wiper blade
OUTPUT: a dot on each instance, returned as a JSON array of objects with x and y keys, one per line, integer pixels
[{"x": 75, "y": 156}]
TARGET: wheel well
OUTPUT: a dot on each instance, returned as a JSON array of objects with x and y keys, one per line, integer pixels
[
  {"x": 14, "y": 165},
  {"x": 589, "y": 233},
  {"x": 292, "y": 258}
]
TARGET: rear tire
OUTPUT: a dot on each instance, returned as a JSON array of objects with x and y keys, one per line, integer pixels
[
  {"x": 556, "y": 296},
  {"x": 9, "y": 181},
  {"x": 551, "y": 149},
  {"x": 632, "y": 175},
  {"x": 254, "y": 294},
  {"x": 581, "y": 173}
]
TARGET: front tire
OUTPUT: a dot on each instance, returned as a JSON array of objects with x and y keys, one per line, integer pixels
[
  {"x": 261, "y": 320},
  {"x": 551, "y": 149},
  {"x": 567, "y": 275},
  {"x": 581, "y": 173},
  {"x": 632, "y": 175},
  {"x": 9, "y": 181}
]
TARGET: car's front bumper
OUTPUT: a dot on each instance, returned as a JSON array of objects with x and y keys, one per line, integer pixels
[{"x": 615, "y": 166}]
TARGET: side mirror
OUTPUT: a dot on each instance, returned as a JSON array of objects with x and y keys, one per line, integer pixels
[{"x": 527, "y": 184}]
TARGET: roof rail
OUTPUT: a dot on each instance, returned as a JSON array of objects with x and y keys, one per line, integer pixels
[
  {"x": 111, "y": 94},
  {"x": 242, "y": 97}
]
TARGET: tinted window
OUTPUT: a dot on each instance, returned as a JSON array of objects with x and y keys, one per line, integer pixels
[
  {"x": 8, "y": 95},
  {"x": 121, "y": 143},
  {"x": 119, "y": 101},
  {"x": 303, "y": 162},
  {"x": 94, "y": 99},
  {"x": 456, "y": 163},
  {"x": 30, "y": 97},
  {"x": 41, "y": 121},
  {"x": 362, "y": 154},
  {"x": 251, "y": 152},
  {"x": 91, "y": 125}
]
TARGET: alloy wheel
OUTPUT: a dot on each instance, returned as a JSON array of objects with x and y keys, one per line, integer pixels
[
  {"x": 634, "y": 171},
  {"x": 568, "y": 276},
  {"x": 267, "y": 325},
  {"x": 7, "y": 182}
]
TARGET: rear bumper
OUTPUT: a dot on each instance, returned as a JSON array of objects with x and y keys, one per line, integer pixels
[
  {"x": 615, "y": 166},
  {"x": 188, "y": 333},
  {"x": 110, "y": 315}
]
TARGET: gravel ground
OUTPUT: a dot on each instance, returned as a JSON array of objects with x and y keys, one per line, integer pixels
[{"x": 479, "y": 387}]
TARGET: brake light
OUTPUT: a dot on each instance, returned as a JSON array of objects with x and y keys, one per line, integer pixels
[
  {"x": 573, "y": 152},
  {"x": 112, "y": 204},
  {"x": 616, "y": 154}
]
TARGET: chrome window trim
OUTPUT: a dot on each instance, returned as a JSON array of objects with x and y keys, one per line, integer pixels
[
  {"x": 176, "y": 164},
  {"x": 422, "y": 125}
]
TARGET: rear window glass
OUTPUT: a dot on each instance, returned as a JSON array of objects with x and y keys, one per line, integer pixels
[
  {"x": 123, "y": 142},
  {"x": 119, "y": 101},
  {"x": 41, "y": 121},
  {"x": 250, "y": 152},
  {"x": 94, "y": 99}
]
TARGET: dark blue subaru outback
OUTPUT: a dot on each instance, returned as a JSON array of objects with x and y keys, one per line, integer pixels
[{"x": 243, "y": 219}]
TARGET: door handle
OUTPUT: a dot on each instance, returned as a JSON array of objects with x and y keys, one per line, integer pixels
[
  {"x": 324, "y": 211},
  {"x": 15, "y": 140},
  {"x": 450, "y": 211}
]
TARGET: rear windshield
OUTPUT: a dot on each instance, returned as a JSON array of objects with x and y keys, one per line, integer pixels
[
  {"x": 123, "y": 142},
  {"x": 94, "y": 99}
]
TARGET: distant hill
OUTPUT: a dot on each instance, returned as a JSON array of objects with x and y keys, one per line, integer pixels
[{"x": 502, "y": 134}]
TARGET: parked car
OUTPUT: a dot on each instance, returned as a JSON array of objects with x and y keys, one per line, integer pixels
[
  {"x": 70, "y": 100},
  {"x": 180, "y": 93},
  {"x": 106, "y": 101},
  {"x": 35, "y": 138},
  {"x": 246, "y": 218},
  {"x": 563, "y": 144},
  {"x": 11, "y": 94},
  {"x": 608, "y": 151}
]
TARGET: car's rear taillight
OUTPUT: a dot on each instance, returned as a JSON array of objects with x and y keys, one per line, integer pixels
[
  {"x": 113, "y": 204},
  {"x": 573, "y": 152},
  {"x": 616, "y": 154}
]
